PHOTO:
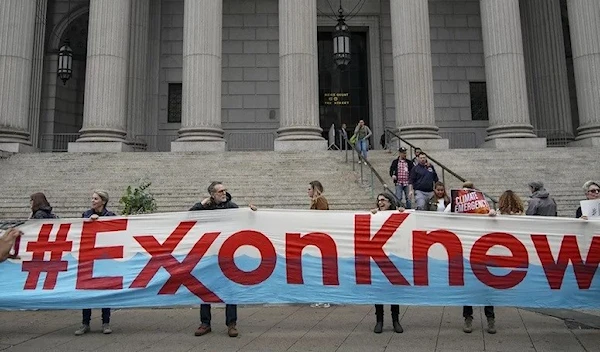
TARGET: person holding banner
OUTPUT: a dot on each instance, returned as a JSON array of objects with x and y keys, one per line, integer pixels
[
  {"x": 40, "y": 208},
  {"x": 317, "y": 202},
  {"x": 440, "y": 200},
  {"x": 386, "y": 201},
  {"x": 7, "y": 241},
  {"x": 99, "y": 201},
  {"x": 592, "y": 192},
  {"x": 218, "y": 198}
]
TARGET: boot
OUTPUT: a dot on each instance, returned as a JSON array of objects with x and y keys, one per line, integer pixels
[
  {"x": 232, "y": 330},
  {"x": 491, "y": 325},
  {"x": 397, "y": 327},
  {"x": 378, "y": 327},
  {"x": 203, "y": 330},
  {"x": 468, "y": 327}
]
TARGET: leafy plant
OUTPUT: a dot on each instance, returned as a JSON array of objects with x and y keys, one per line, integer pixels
[{"x": 137, "y": 200}]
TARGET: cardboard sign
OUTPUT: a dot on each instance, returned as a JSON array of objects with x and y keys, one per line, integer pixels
[{"x": 469, "y": 201}]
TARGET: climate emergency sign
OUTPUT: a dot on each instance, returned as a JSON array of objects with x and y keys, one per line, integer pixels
[{"x": 283, "y": 256}]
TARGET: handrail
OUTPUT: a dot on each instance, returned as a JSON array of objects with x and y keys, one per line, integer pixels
[
  {"x": 444, "y": 167},
  {"x": 373, "y": 171}
]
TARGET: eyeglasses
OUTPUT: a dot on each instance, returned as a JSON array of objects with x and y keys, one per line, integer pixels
[
  {"x": 595, "y": 190},
  {"x": 382, "y": 200}
]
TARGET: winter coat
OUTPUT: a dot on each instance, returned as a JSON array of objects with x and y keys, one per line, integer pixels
[
  {"x": 541, "y": 204},
  {"x": 90, "y": 212},
  {"x": 44, "y": 212},
  {"x": 211, "y": 205}
]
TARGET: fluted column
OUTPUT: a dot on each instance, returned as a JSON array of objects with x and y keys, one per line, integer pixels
[
  {"x": 17, "y": 24},
  {"x": 298, "y": 77},
  {"x": 137, "y": 73},
  {"x": 510, "y": 125},
  {"x": 413, "y": 79},
  {"x": 37, "y": 73},
  {"x": 584, "y": 22},
  {"x": 201, "y": 101},
  {"x": 105, "y": 105},
  {"x": 547, "y": 82}
]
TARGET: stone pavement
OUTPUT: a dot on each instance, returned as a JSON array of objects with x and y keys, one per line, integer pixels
[{"x": 295, "y": 328}]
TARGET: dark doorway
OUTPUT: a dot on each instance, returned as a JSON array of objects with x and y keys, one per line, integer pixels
[{"x": 343, "y": 95}]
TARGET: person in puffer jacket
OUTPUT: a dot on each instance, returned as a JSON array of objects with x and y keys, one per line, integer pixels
[
  {"x": 540, "y": 203},
  {"x": 40, "y": 208}
]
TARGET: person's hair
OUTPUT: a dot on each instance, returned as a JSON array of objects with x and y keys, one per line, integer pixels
[
  {"x": 588, "y": 184},
  {"x": 468, "y": 184},
  {"x": 390, "y": 199},
  {"x": 421, "y": 153},
  {"x": 510, "y": 203},
  {"x": 39, "y": 200},
  {"x": 103, "y": 195},
  {"x": 212, "y": 186},
  {"x": 318, "y": 187},
  {"x": 417, "y": 148}
]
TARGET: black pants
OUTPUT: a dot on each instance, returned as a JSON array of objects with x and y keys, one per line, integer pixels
[
  {"x": 87, "y": 316},
  {"x": 379, "y": 312},
  {"x": 488, "y": 310},
  {"x": 230, "y": 314}
]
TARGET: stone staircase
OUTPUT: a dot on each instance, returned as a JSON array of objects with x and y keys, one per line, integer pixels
[
  {"x": 563, "y": 171},
  {"x": 266, "y": 179}
]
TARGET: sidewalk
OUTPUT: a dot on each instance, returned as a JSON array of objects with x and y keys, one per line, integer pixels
[{"x": 294, "y": 328}]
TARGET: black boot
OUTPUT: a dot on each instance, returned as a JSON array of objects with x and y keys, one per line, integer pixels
[
  {"x": 378, "y": 327},
  {"x": 397, "y": 327}
]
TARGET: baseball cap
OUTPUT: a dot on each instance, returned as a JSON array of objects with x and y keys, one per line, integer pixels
[{"x": 402, "y": 150}]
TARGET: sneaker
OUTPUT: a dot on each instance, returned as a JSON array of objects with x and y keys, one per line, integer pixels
[
  {"x": 106, "y": 329},
  {"x": 232, "y": 330},
  {"x": 359, "y": 162},
  {"x": 491, "y": 325},
  {"x": 397, "y": 327},
  {"x": 82, "y": 329},
  {"x": 326, "y": 305},
  {"x": 315, "y": 305},
  {"x": 203, "y": 330},
  {"x": 468, "y": 327},
  {"x": 378, "y": 327}
]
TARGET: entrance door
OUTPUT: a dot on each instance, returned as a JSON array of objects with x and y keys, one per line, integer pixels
[{"x": 343, "y": 95}]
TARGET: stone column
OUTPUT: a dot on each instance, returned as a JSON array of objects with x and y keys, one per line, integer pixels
[
  {"x": 546, "y": 64},
  {"x": 37, "y": 73},
  {"x": 137, "y": 73},
  {"x": 17, "y": 24},
  {"x": 105, "y": 105},
  {"x": 584, "y": 22},
  {"x": 201, "y": 100},
  {"x": 413, "y": 78},
  {"x": 510, "y": 126},
  {"x": 298, "y": 77}
]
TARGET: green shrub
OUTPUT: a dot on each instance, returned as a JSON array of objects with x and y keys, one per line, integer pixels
[{"x": 137, "y": 200}]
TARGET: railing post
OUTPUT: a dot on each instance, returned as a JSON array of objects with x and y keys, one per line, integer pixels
[{"x": 372, "y": 185}]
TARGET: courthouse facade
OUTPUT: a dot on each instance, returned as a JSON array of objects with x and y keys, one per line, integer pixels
[{"x": 212, "y": 75}]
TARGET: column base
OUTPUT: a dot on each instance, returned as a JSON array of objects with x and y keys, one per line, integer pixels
[
  {"x": 198, "y": 146},
  {"x": 99, "y": 147},
  {"x": 284, "y": 145},
  {"x": 587, "y": 142},
  {"x": 426, "y": 144},
  {"x": 515, "y": 143},
  {"x": 14, "y": 147}
]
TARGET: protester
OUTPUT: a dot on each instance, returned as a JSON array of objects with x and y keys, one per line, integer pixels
[
  {"x": 415, "y": 159},
  {"x": 592, "y": 191},
  {"x": 40, "y": 208},
  {"x": 7, "y": 241},
  {"x": 400, "y": 172},
  {"x": 317, "y": 202},
  {"x": 440, "y": 200},
  {"x": 363, "y": 133},
  {"x": 422, "y": 179},
  {"x": 99, "y": 202},
  {"x": 386, "y": 201},
  {"x": 218, "y": 198},
  {"x": 510, "y": 204},
  {"x": 540, "y": 203}
]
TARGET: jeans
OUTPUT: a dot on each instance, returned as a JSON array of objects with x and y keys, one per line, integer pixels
[
  {"x": 403, "y": 189},
  {"x": 488, "y": 310},
  {"x": 379, "y": 312},
  {"x": 363, "y": 146},
  {"x": 421, "y": 198},
  {"x": 230, "y": 314},
  {"x": 87, "y": 316}
]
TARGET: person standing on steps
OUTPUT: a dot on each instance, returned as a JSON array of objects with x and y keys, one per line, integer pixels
[
  {"x": 99, "y": 201},
  {"x": 218, "y": 198},
  {"x": 540, "y": 203},
  {"x": 592, "y": 191},
  {"x": 40, "y": 208},
  {"x": 363, "y": 133},
  {"x": 317, "y": 202},
  {"x": 400, "y": 172},
  {"x": 422, "y": 178},
  {"x": 386, "y": 201}
]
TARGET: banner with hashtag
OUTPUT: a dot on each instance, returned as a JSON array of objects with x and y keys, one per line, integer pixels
[{"x": 241, "y": 256}]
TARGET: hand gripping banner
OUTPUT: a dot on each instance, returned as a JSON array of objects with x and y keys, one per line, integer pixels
[{"x": 284, "y": 256}]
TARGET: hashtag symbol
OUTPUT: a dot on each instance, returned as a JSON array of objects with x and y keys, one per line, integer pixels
[{"x": 51, "y": 267}]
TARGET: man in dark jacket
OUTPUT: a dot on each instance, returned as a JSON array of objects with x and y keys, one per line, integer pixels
[
  {"x": 540, "y": 203},
  {"x": 400, "y": 173},
  {"x": 219, "y": 199},
  {"x": 422, "y": 179}
]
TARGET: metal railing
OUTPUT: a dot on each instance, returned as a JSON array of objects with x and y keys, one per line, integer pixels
[
  {"x": 57, "y": 142},
  {"x": 445, "y": 169},
  {"x": 555, "y": 138}
]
